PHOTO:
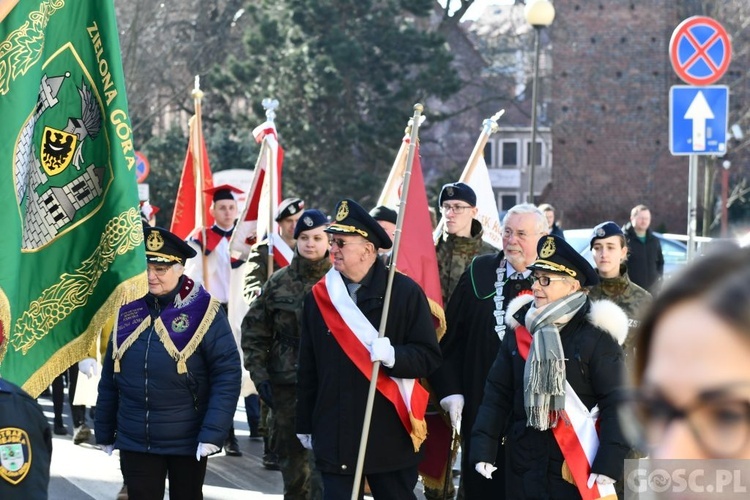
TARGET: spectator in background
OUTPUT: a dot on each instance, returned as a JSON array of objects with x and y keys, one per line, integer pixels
[
  {"x": 387, "y": 218},
  {"x": 552, "y": 225},
  {"x": 645, "y": 259},
  {"x": 693, "y": 364}
]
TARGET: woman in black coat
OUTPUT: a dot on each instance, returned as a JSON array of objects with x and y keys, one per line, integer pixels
[{"x": 573, "y": 356}]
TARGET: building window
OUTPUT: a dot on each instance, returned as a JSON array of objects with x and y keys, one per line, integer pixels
[
  {"x": 507, "y": 201},
  {"x": 539, "y": 159},
  {"x": 509, "y": 154},
  {"x": 488, "y": 154}
]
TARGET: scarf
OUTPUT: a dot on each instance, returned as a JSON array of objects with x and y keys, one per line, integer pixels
[{"x": 544, "y": 373}]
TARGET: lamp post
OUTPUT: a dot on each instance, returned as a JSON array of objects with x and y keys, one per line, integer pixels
[{"x": 539, "y": 14}]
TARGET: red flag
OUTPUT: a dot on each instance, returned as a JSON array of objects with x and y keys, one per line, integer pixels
[
  {"x": 186, "y": 216},
  {"x": 416, "y": 255}
]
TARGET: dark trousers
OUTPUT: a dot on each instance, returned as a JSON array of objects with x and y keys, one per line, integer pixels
[
  {"x": 252, "y": 410},
  {"x": 77, "y": 413},
  {"x": 145, "y": 474},
  {"x": 393, "y": 485}
]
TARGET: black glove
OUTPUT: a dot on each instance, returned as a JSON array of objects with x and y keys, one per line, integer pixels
[{"x": 266, "y": 393}]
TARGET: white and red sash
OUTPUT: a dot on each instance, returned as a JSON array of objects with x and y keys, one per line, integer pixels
[
  {"x": 282, "y": 254},
  {"x": 354, "y": 333},
  {"x": 576, "y": 433}
]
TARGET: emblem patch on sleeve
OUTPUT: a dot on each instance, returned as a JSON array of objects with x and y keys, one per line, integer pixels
[{"x": 15, "y": 454}]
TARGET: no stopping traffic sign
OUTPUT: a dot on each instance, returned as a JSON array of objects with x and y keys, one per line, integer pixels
[{"x": 700, "y": 50}]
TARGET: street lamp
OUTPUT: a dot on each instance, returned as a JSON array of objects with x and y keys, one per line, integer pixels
[{"x": 539, "y": 14}]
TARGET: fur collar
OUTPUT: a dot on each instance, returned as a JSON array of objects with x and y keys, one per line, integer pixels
[{"x": 604, "y": 314}]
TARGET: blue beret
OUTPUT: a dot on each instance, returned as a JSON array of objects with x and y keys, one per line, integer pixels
[
  {"x": 605, "y": 230},
  {"x": 555, "y": 255},
  {"x": 458, "y": 191},
  {"x": 165, "y": 247},
  {"x": 310, "y": 219},
  {"x": 351, "y": 218}
]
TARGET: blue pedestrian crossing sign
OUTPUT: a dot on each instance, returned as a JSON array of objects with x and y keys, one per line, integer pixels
[{"x": 698, "y": 119}]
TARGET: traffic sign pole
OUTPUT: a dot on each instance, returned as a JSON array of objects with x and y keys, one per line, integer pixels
[{"x": 692, "y": 205}]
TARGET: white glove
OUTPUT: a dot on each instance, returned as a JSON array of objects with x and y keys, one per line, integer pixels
[
  {"x": 89, "y": 367},
  {"x": 382, "y": 350},
  {"x": 599, "y": 479},
  {"x": 306, "y": 440},
  {"x": 485, "y": 469},
  {"x": 107, "y": 448},
  {"x": 205, "y": 449},
  {"x": 454, "y": 405}
]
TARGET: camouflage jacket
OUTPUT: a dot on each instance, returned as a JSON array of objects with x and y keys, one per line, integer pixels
[
  {"x": 455, "y": 253},
  {"x": 270, "y": 330},
  {"x": 630, "y": 297},
  {"x": 256, "y": 271}
]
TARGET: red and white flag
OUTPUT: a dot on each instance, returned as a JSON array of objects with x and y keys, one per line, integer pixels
[{"x": 192, "y": 205}]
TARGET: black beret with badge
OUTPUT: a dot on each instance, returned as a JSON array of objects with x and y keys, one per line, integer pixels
[
  {"x": 289, "y": 207},
  {"x": 310, "y": 219},
  {"x": 605, "y": 230},
  {"x": 163, "y": 247},
  {"x": 458, "y": 191},
  {"x": 555, "y": 255},
  {"x": 351, "y": 218}
]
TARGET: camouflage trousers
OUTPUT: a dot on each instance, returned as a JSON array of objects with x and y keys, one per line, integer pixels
[{"x": 301, "y": 480}]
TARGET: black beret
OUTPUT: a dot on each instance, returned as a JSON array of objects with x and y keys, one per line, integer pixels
[
  {"x": 289, "y": 206},
  {"x": 310, "y": 219},
  {"x": 351, "y": 218},
  {"x": 555, "y": 255},
  {"x": 458, "y": 191},
  {"x": 165, "y": 247},
  {"x": 605, "y": 230},
  {"x": 223, "y": 192},
  {"x": 384, "y": 213}
]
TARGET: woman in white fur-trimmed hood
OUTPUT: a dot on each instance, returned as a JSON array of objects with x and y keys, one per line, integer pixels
[{"x": 560, "y": 362}]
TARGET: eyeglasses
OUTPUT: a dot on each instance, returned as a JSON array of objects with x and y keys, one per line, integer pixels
[
  {"x": 159, "y": 270},
  {"x": 545, "y": 280},
  {"x": 457, "y": 209},
  {"x": 718, "y": 420},
  {"x": 520, "y": 235},
  {"x": 342, "y": 243}
]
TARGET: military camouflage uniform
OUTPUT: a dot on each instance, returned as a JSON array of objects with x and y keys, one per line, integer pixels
[
  {"x": 630, "y": 297},
  {"x": 270, "y": 341},
  {"x": 256, "y": 271},
  {"x": 455, "y": 253}
]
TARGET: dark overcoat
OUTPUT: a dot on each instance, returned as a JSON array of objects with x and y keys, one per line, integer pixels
[{"x": 332, "y": 392}]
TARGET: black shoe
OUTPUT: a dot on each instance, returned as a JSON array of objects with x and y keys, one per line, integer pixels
[
  {"x": 60, "y": 429},
  {"x": 271, "y": 461},
  {"x": 232, "y": 448}
]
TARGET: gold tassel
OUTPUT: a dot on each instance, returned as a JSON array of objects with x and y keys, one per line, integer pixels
[
  {"x": 117, "y": 365},
  {"x": 418, "y": 432},
  {"x": 439, "y": 313},
  {"x": 567, "y": 474},
  {"x": 181, "y": 365}
]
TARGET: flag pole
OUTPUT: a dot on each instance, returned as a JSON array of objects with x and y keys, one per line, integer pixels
[
  {"x": 489, "y": 127},
  {"x": 415, "y": 121},
  {"x": 198, "y": 173},
  {"x": 270, "y": 106}
]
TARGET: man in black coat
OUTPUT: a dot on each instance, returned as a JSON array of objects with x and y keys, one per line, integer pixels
[
  {"x": 339, "y": 342},
  {"x": 474, "y": 325},
  {"x": 645, "y": 258}
]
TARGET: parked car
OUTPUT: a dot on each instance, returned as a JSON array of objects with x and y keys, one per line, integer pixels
[{"x": 675, "y": 252}]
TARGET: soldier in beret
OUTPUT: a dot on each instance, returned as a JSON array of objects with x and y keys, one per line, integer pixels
[
  {"x": 256, "y": 273},
  {"x": 170, "y": 379},
  {"x": 387, "y": 218},
  {"x": 561, "y": 352},
  {"x": 270, "y": 340},
  {"x": 339, "y": 342},
  {"x": 610, "y": 250}
]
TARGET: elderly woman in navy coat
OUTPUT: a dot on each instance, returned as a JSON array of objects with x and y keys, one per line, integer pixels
[{"x": 170, "y": 380}]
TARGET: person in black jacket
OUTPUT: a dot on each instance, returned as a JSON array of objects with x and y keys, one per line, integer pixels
[
  {"x": 645, "y": 258},
  {"x": 557, "y": 379},
  {"x": 339, "y": 341},
  {"x": 170, "y": 379}
]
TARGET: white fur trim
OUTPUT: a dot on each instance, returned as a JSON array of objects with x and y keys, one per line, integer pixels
[
  {"x": 514, "y": 306},
  {"x": 608, "y": 316}
]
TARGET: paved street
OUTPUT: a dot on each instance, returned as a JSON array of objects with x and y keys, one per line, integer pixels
[{"x": 85, "y": 472}]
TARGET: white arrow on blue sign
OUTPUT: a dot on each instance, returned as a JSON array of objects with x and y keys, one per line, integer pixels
[{"x": 698, "y": 119}]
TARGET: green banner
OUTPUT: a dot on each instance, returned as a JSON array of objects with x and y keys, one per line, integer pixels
[{"x": 71, "y": 249}]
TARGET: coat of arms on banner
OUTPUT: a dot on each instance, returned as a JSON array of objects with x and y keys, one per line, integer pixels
[{"x": 15, "y": 454}]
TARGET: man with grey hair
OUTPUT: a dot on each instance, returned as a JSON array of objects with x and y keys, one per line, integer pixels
[{"x": 475, "y": 327}]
